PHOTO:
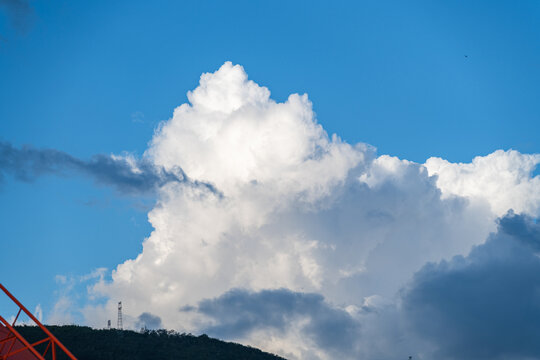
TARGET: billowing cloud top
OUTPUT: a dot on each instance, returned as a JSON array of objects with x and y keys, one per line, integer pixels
[
  {"x": 306, "y": 244},
  {"x": 502, "y": 179},
  {"x": 234, "y": 136}
]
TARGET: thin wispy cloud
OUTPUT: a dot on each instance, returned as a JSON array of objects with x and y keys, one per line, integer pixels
[{"x": 124, "y": 173}]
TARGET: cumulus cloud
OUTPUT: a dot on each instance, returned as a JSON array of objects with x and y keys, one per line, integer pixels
[
  {"x": 317, "y": 233},
  {"x": 148, "y": 321},
  {"x": 238, "y": 313},
  {"x": 521, "y": 227},
  {"x": 125, "y": 173},
  {"x": 484, "y": 305},
  {"x": 502, "y": 179}
]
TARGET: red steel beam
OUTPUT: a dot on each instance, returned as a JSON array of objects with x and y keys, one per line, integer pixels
[
  {"x": 53, "y": 339},
  {"x": 24, "y": 348},
  {"x": 20, "y": 338}
]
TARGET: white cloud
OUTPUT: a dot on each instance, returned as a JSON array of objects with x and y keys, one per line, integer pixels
[
  {"x": 38, "y": 312},
  {"x": 297, "y": 209},
  {"x": 502, "y": 179}
]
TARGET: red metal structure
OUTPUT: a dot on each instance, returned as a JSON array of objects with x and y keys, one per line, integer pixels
[{"x": 13, "y": 346}]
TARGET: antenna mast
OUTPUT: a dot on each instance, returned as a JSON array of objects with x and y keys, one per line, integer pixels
[{"x": 119, "y": 324}]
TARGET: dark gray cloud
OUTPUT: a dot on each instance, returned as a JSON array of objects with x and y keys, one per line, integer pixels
[
  {"x": 149, "y": 321},
  {"x": 522, "y": 228},
  {"x": 28, "y": 163},
  {"x": 238, "y": 312},
  {"x": 485, "y": 305},
  {"x": 20, "y": 13}
]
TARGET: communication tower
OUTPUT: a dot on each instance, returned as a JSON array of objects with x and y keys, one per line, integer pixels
[{"x": 119, "y": 324}]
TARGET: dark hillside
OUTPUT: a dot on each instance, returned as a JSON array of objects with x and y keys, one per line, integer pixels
[{"x": 89, "y": 344}]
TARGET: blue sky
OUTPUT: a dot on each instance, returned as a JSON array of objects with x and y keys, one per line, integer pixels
[{"x": 418, "y": 79}]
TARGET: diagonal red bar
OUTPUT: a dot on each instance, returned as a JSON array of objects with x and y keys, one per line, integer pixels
[
  {"x": 7, "y": 339},
  {"x": 20, "y": 338},
  {"x": 54, "y": 341},
  {"x": 23, "y": 349}
]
